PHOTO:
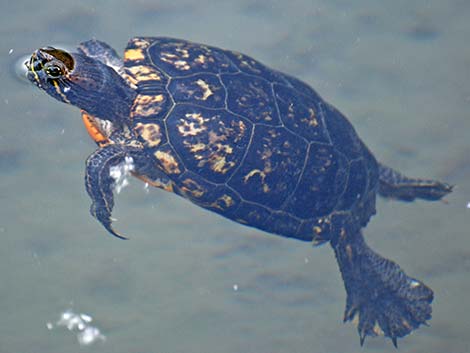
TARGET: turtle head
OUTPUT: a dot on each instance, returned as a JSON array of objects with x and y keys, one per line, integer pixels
[{"x": 82, "y": 81}]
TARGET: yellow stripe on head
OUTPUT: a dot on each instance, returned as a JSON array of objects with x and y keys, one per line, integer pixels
[{"x": 59, "y": 91}]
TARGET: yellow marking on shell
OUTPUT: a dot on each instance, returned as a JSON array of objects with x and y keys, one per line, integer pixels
[
  {"x": 246, "y": 62},
  {"x": 205, "y": 60},
  {"x": 150, "y": 133},
  {"x": 175, "y": 60},
  {"x": 266, "y": 155},
  {"x": 146, "y": 105},
  {"x": 182, "y": 65},
  {"x": 207, "y": 92},
  {"x": 317, "y": 230},
  {"x": 377, "y": 329},
  {"x": 226, "y": 148},
  {"x": 219, "y": 164},
  {"x": 165, "y": 186},
  {"x": 228, "y": 201},
  {"x": 167, "y": 56},
  {"x": 198, "y": 147},
  {"x": 156, "y": 183},
  {"x": 140, "y": 42},
  {"x": 223, "y": 202},
  {"x": 253, "y": 173},
  {"x": 192, "y": 128},
  {"x": 216, "y": 157},
  {"x": 210, "y": 147},
  {"x": 267, "y": 168},
  {"x": 192, "y": 188},
  {"x": 130, "y": 78},
  {"x": 214, "y": 138},
  {"x": 311, "y": 119},
  {"x": 134, "y": 55},
  {"x": 184, "y": 52},
  {"x": 144, "y": 73},
  {"x": 242, "y": 127},
  {"x": 168, "y": 162},
  {"x": 201, "y": 59}
]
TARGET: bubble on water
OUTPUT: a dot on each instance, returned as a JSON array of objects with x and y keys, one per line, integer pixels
[
  {"x": 89, "y": 336},
  {"x": 86, "y": 318},
  {"x": 80, "y": 325},
  {"x": 121, "y": 172}
]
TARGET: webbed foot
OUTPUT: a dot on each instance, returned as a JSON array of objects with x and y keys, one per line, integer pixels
[
  {"x": 99, "y": 183},
  {"x": 381, "y": 298}
]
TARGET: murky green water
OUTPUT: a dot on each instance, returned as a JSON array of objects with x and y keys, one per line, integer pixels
[{"x": 188, "y": 280}]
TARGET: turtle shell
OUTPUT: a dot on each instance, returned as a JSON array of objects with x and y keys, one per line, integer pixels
[
  {"x": 245, "y": 141},
  {"x": 248, "y": 142}
]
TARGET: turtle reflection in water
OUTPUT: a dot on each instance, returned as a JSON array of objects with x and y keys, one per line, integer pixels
[{"x": 250, "y": 143}]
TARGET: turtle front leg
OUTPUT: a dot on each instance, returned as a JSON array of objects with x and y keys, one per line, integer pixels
[{"x": 99, "y": 183}]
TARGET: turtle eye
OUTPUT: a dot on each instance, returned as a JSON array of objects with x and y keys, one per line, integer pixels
[{"x": 54, "y": 71}]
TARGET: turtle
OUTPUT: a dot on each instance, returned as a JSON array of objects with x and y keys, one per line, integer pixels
[{"x": 248, "y": 142}]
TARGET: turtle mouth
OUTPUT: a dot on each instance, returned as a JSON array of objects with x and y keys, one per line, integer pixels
[
  {"x": 33, "y": 66},
  {"x": 36, "y": 62}
]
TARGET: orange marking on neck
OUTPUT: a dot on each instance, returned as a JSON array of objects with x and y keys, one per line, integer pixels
[{"x": 94, "y": 130}]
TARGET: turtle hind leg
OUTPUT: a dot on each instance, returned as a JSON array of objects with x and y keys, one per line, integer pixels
[
  {"x": 381, "y": 298},
  {"x": 393, "y": 184}
]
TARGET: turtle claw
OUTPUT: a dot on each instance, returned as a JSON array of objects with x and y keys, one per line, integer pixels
[
  {"x": 116, "y": 234},
  {"x": 103, "y": 215},
  {"x": 110, "y": 229},
  {"x": 362, "y": 338}
]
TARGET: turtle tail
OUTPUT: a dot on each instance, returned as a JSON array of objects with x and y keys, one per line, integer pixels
[
  {"x": 381, "y": 298},
  {"x": 393, "y": 184}
]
